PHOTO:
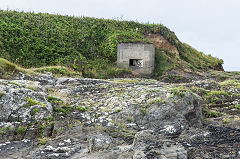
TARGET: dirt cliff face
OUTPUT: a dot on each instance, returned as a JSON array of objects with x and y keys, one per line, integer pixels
[
  {"x": 47, "y": 117},
  {"x": 160, "y": 42}
]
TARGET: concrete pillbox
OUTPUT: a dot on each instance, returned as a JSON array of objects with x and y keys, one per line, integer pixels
[{"x": 140, "y": 57}]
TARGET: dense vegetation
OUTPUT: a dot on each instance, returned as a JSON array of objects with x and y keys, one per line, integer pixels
[{"x": 86, "y": 45}]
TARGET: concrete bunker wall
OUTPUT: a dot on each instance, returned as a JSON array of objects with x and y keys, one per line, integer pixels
[{"x": 140, "y": 57}]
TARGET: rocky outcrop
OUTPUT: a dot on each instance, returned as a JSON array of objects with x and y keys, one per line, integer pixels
[
  {"x": 24, "y": 110},
  {"x": 47, "y": 117},
  {"x": 148, "y": 144}
]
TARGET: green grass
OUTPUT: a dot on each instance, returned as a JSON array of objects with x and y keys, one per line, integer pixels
[
  {"x": 211, "y": 113},
  {"x": 213, "y": 96},
  {"x": 198, "y": 60},
  {"x": 64, "y": 109},
  {"x": 218, "y": 93},
  {"x": 57, "y": 70},
  {"x": 118, "y": 110},
  {"x": 82, "y": 109},
  {"x": 60, "y": 110},
  {"x": 143, "y": 111},
  {"x": 9, "y": 69},
  {"x": 3, "y": 131},
  {"x": 158, "y": 101},
  {"x": 179, "y": 91},
  {"x": 53, "y": 100},
  {"x": 226, "y": 120},
  {"x": 14, "y": 83},
  {"x": 164, "y": 61},
  {"x": 35, "y": 111},
  {"x": 225, "y": 76},
  {"x": 1, "y": 94},
  {"x": 32, "y": 102},
  {"x": 21, "y": 130},
  {"x": 123, "y": 81},
  {"x": 42, "y": 141},
  {"x": 129, "y": 119},
  {"x": 84, "y": 46},
  {"x": 59, "y": 130},
  {"x": 236, "y": 106},
  {"x": 230, "y": 82}
]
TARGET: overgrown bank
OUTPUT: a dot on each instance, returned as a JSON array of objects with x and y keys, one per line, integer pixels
[{"x": 88, "y": 45}]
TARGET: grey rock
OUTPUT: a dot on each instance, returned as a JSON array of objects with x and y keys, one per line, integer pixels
[
  {"x": 99, "y": 143},
  {"x": 114, "y": 118},
  {"x": 150, "y": 145},
  {"x": 139, "y": 155},
  {"x": 44, "y": 79},
  {"x": 20, "y": 107}
]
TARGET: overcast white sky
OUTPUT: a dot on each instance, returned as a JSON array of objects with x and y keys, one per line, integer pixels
[{"x": 211, "y": 26}]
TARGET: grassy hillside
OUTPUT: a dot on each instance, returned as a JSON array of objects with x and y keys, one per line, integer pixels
[
  {"x": 86, "y": 45},
  {"x": 9, "y": 69}
]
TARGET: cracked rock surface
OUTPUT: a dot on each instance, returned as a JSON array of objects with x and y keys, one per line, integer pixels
[{"x": 46, "y": 117}]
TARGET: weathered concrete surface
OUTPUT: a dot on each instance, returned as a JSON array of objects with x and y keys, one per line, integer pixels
[{"x": 145, "y": 52}]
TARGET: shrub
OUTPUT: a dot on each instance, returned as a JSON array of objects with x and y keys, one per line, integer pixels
[
  {"x": 226, "y": 120},
  {"x": 64, "y": 109},
  {"x": 214, "y": 96},
  {"x": 42, "y": 141},
  {"x": 211, "y": 113},
  {"x": 53, "y": 100},
  {"x": 21, "y": 130}
]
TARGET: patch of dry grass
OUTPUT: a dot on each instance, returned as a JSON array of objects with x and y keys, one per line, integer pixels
[{"x": 9, "y": 69}]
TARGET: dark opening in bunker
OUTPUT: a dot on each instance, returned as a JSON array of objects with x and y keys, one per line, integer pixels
[{"x": 136, "y": 62}]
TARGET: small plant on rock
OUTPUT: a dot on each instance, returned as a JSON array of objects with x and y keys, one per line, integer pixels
[
  {"x": 42, "y": 141},
  {"x": 3, "y": 131},
  {"x": 14, "y": 83},
  {"x": 237, "y": 106},
  {"x": 21, "y": 130},
  {"x": 226, "y": 120},
  {"x": 82, "y": 108},
  {"x": 179, "y": 91},
  {"x": 32, "y": 102},
  {"x": 1, "y": 94},
  {"x": 53, "y": 100},
  {"x": 211, "y": 113},
  {"x": 143, "y": 111},
  {"x": 35, "y": 111}
]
